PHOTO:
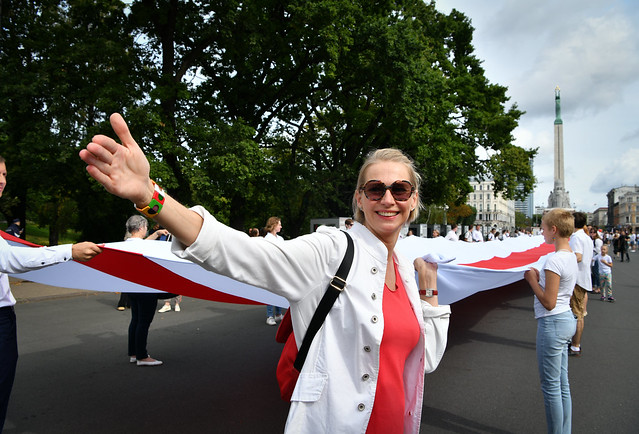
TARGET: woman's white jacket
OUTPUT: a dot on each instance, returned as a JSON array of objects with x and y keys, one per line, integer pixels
[{"x": 336, "y": 388}]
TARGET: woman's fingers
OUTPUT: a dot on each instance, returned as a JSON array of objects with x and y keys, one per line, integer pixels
[{"x": 122, "y": 130}]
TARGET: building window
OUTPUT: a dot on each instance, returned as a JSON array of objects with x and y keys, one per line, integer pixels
[{"x": 480, "y": 196}]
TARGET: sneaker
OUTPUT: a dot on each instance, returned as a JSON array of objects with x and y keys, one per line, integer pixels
[
  {"x": 603, "y": 298},
  {"x": 574, "y": 353},
  {"x": 611, "y": 299},
  {"x": 279, "y": 317},
  {"x": 132, "y": 359},
  {"x": 120, "y": 307},
  {"x": 177, "y": 307},
  {"x": 270, "y": 321},
  {"x": 151, "y": 362},
  {"x": 165, "y": 308}
]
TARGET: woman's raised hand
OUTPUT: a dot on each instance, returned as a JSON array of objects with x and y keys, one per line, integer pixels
[{"x": 121, "y": 168}]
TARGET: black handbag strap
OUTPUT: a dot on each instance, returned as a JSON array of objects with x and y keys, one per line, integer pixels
[{"x": 335, "y": 288}]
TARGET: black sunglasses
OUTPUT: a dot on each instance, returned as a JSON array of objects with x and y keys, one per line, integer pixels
[{"x": 400, "y": 190}]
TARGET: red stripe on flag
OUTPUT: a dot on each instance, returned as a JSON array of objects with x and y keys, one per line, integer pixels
[
  {"x": 136, "y": 268},
  {"x": 10, "y": 237},
  {"x": 515, "y": 259}
]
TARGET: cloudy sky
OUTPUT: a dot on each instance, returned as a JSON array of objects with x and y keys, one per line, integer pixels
[{"x": 590, "y": 49}]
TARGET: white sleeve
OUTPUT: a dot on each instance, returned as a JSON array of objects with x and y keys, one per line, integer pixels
[
  {"x": 436, "y": 321},
  {"x": 21, "y": 259}
]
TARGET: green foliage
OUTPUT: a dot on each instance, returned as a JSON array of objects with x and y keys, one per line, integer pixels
[
  {"x": 254, "y": 108},
  {"x": 521, "y": 220}
]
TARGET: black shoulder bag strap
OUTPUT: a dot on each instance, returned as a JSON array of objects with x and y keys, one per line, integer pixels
[{"x": 335, "y": 288}]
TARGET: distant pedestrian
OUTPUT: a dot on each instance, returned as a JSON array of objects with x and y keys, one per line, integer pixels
[
  {"x": 582, "y": 245},
  {"x": 604, "y": 262},
  {"x": 273, "y": 228},
  {"x": 14, "y": 228},
  {"x": 143, "y": 304},
  {"x": 348, "y": 223},
  {"x": 622, "y": 245},
  {"x": 477, "y": 235},
  {"x": 594, "y": 267},
  {"x": 452, "y": 233}
]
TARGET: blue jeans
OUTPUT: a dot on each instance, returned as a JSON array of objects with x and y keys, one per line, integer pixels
[
  {"x": 269, "y": 310},
  {"x": 553, "y": 334}
]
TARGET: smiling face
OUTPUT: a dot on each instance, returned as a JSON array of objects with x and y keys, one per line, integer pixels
[
  {"x": 385, "y": 217},
  {"x": 3, "y": 177}
]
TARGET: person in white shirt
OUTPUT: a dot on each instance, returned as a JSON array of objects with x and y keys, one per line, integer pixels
[
  {"x": 452, "y": 233},
  {"x": 19, "y": 260},
  {"x": 582, "y": 245},
  {"x": 594, "y": 266},
  {"x": 555, "y": 321},
  {"x": 477, "y": 235},
  {"x": 273, "y": 228},
  {"x": 341, "y": 387}
]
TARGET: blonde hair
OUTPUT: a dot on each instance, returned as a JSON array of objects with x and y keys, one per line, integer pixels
[
  {"x": 271, "y": 223},
  {"x": 562, "y": 219},
  {"x": 395, "y": 156}
]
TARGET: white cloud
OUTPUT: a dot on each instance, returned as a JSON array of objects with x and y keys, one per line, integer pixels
[
  {"x": 596, "y": 61},
  {"x": 621, "y": 171},
  {"x": 590, "y": 48}
]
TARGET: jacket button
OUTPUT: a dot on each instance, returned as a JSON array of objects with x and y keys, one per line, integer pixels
[
  {"x": 367, "y": 349},
  {"x": 361, "y": 407},
  {"x": 374, "y": 319},
  {"x": 374, "y": 270},
  {"x": 374, "y": 296},
  {"x": 365, "y": 377}
]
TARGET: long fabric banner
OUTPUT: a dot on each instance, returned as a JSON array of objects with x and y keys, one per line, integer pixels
[{"x": 151, "y": 267}]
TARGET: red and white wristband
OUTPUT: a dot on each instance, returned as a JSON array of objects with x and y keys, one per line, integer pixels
[
  {"x": 428, "y": 292},
  {"x": 157, "y": 202}
]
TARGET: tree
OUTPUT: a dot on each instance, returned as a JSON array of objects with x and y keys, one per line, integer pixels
[
  {"x": 521, "y": 220},
  {"x": 65, "y": 65},
  {"x": 263, "y": 107}
]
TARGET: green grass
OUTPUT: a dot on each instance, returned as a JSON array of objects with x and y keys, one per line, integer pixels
[{"x": 38, "y": 235}]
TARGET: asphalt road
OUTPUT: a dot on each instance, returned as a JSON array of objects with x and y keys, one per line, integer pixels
[{"x": 219, "y": 372}]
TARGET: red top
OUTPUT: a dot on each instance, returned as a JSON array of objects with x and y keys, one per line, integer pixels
[{"x": 401, "y": 334}]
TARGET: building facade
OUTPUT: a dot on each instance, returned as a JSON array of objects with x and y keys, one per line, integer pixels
[
  {"x": 493, "y": 210},
  {"x": 628, "y": 211},
  {"x": 600, "y": 217},
  {"x": 622, "y": 207}
]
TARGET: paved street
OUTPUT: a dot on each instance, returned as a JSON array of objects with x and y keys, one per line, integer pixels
[{"x": 219, "y": 372}]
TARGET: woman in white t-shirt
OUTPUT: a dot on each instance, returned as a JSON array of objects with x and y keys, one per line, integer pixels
[
  {"x": 272, "y": 228},
  {"x": 555, "y": 322},
  {"x": 597, "y": 242}
]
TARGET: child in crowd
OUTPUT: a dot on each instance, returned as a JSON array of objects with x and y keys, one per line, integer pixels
[
  {"x": 556, "y": 324},
  {"x": 605, "y": 273}
]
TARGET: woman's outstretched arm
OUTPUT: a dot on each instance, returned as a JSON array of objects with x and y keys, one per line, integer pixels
[{"x": 124, "y": 171}]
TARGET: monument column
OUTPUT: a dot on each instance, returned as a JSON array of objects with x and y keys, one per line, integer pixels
[{"x": 559, "y": 196}]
